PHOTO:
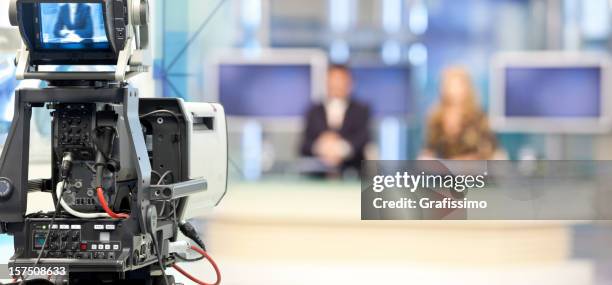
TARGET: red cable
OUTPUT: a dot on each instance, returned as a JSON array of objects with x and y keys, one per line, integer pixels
[
  {"x": 196, "y": 280},
  {"x": 106, "y": 208},
  {"x": 178, "y": 268}
]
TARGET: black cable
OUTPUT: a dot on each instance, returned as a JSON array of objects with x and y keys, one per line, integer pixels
[
  {"x": 57, "y": 207},
  {"x": 157, "y": 246},
  {"x": 97, "y": 142},
  {"x": 189, "y": 231},
  {"x": 42, "y": 250},
  {"x": 178, "y": 256},
  {"x": 174, "y": 220}
]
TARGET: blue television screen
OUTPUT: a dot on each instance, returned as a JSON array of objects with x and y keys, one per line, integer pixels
[
  {"x": 573, "y": 92},
  {"x": 73, "y": 26},
  {"x": 253, "y": 90},
  {"x": 385, "y": 89}
]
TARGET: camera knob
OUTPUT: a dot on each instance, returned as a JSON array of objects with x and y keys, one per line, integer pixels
[
  {"x": 6, "y": 188},
  {"x": 140, "y": 12}
]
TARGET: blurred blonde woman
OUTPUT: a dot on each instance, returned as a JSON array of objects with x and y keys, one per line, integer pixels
[{"x": 457, "y": 127}]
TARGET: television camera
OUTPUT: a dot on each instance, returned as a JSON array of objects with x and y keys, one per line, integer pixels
[{"x": 126, "y": 171}]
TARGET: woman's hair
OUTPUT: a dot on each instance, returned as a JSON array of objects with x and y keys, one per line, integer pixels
[{"x": 475, "y": 138}]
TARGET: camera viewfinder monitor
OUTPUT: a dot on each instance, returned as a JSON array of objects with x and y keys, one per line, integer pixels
[
  {"x": 548, "y": 93},
  {"x": 386, "y": 89},
  {"x": 77, "y": 32},
  {"x": 73, "y": 26}
]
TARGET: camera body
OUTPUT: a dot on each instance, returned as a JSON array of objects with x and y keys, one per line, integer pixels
[{"x": 125, "y": 170}]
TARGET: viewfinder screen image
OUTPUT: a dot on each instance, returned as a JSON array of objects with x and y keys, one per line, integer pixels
[
  {"x": 573, "y": 92},
  {"x": 73, "y": 26}
]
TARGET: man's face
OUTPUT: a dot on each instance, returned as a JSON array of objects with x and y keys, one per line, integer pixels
[{"x": 339, "y": 83}]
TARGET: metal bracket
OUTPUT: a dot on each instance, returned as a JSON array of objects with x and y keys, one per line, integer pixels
[
  {"x": 123, "y": 61},
  {"x": 177, "y": 190},
  {"x": 122, "y": 72},
  {"x": 23, "y": 63}
]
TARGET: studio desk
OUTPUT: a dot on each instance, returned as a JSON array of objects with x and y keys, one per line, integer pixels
[{"x": 270, "y": 232}]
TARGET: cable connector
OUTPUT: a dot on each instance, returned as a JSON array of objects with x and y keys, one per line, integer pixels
[
  {"x": 189, "y": 231},
  {"x": 66, "y": 166},
  {"x": 179, "y": 247}
]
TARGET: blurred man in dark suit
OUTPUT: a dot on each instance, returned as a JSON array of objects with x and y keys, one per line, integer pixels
[
  {"x": 74, "y": 22},
  {"x": 337, "y": 130}
]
